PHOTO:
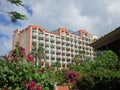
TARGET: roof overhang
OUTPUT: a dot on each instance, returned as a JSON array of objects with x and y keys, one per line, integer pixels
[{"x": 109, "y": 41}]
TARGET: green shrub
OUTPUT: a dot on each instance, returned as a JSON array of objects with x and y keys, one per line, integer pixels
[{"x": 17, "y": 72}]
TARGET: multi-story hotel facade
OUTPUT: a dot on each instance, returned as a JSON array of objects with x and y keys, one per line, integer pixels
[{"x": 60, "y": 45}]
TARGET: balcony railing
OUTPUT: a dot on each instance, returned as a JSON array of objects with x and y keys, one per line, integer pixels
[
  {"x": 35, "y": 40},
  {"x": 35, "y": 33},
  {"x": 47, "y": 42},
  {"x": 41, "y": 41},
  {"x": 47, "y": 54},
  {"x": 41, "y": 35}
]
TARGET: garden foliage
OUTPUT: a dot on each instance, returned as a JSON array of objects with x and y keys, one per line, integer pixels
[
  {"x": 17, "y": 72},
  {"x": 103, "y": 74}
]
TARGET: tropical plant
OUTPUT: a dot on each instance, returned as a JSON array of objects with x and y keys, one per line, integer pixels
[
  {"x": 18, "y": 73},
  {"x": 13, "y": 14},
  {"x": 71, "y": 78},
  {"x": 55, "y": 65},
  {"x": 38, "y": 54},
  {"x": 101, "y": 74}
]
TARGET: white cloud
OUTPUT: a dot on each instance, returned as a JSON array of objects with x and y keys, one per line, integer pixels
[
  {"x": 97, "y": 17},
  {"x": 113, "y": 8},
  {"x": 5, "y": 45}
]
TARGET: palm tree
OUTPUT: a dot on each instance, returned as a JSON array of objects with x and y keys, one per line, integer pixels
[
  {"x": 79, "y": 58},
  {"x": 56, "y": 65},
  {"x": 41, "y": 54},
  {"x": 38, "y": 54}
]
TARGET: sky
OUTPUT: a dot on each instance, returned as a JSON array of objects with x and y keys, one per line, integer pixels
[{"x": 98, "y": 17}]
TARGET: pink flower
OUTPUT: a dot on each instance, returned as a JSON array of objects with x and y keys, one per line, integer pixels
[
  {"x": 39, "y": 87},
  {"x": 32, "y": 88},
  {"x": 32, "y": 84}
]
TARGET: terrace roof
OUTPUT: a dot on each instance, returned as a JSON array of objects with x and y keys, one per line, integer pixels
[{"x": 110, "y": 41}]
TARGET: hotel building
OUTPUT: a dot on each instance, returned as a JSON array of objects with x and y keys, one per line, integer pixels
[{"x": 60, "y": 45}]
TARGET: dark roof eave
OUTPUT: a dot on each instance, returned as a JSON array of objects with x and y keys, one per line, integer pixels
[{"x": 107, "y": 39}]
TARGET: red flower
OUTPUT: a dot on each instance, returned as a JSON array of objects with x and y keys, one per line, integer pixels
[
  {"x": 22, "y": 49},
  {"x": 48, "y": 67},
  {"x": 5, "y": 57},
  {"x": 5, "y": 88},
  {"x": 22, "y": 52},
  {"x": 42, "y": 70},
  {"x": 30, "y": 58},
  {"x": 11, "y": 61},
  {"x": 14, "y": 53}
]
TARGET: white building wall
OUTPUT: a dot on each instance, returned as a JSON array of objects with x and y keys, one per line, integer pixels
[{"x": 62, "y": 47}]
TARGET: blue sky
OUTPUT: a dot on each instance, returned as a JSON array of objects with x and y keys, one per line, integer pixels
[{"x": 98, "y": 17}]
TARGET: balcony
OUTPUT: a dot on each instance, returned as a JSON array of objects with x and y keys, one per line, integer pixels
[
  {"x": 57, "y": 39},
  {"x": 58, "y": 50},
  {"x": 80, "y": 40},
  {"x": 63, "y": 45},
  {"x": 68, "y": 47},
  {"x": 53, "y": 55},
  {"x": 41, "y": 35},
  {"x": 63, "y": 40},
  {"x": 69, "y": 57},
  {"x": 41, "y": 41},
  {"x": 68, "y": 52},
  {"x": 47, "y": 59},
  {"x": 63, "y": 34},
  {"x": 68, "y": 42},
  {"x": 77, "y": 44},
  {"x": 47, "y": 36},
  {"x": 47, "y": 48},
  {"x": 64, "y": 51},
  {"x": 59, "y": 56},
  {"x": 58, "y": 45},
  {"x": 64, "y": 62},
  {"x": 34, "y": 40},
  {"x": 47, "y": 42},
  {"x": 48, "y": 54},
  {"x": 53, "y": 49},
  {"x": 64, "y": 57},
  {"x": 73, "y": 43},
  {"x": 68, "y": 36},
  {"x": 81, "y": 45},
  {"x": 53, "y": 38},
  {"x": 34, "y": 33}
]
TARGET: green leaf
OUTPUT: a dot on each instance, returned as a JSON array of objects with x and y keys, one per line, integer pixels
[
  {"x": 17, "y": 88},
  {"x": 16, "y": 2},
  {"x": 15, "y": 16}
]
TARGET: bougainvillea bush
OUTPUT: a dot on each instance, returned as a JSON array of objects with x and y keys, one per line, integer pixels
[
  {"x": 72, "y": 77},
  {"x": 17, "y": 72}
]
